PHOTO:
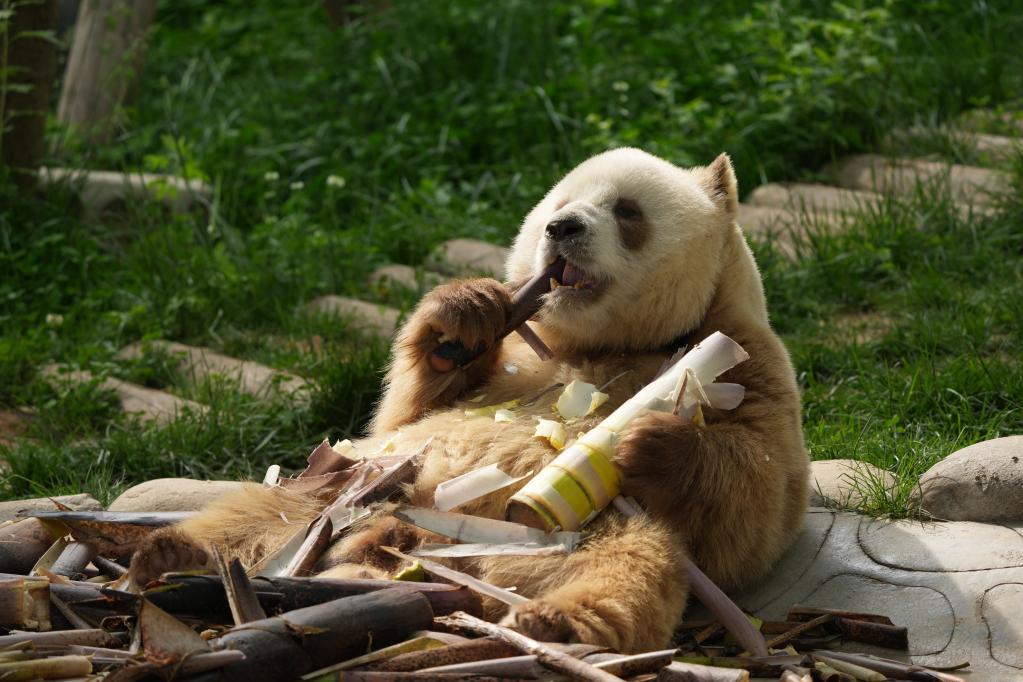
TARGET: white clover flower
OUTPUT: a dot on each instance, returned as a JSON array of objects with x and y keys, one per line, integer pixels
[
  {"x": 271, "y": 176},
  {"x": 336, "y": 181},
  {"x": 297, "y": 185},
  {"x": 620, "y": 86},
  {"x": 54, "y": 320}
]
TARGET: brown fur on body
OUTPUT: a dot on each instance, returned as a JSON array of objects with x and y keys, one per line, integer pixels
[{"x": 721, "y": 494}]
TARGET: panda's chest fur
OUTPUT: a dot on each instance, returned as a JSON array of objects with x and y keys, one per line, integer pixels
[{"x": 466, "y": 436}]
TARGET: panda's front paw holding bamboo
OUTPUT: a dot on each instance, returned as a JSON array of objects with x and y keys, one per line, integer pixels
[
  {"x": 427, "y": 371},
  {"x": 472, "y": 313},
  {"x": 652, "y": 459}
]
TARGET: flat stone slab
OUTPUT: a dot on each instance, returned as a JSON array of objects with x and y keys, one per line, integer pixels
[
  {"x": 810, "y": 197},
  {"x": 957, "y": 587},
  {"x": 199, "y": 364},
  {"x": 993, "y": 147},
  {"x": 146, "y": 404},
  {"x": 172, "y": 494},
  {"x": 982, "y": 482},
  {"x": 990, "y": 148},
  {"x": 469, "y": 257},
  {"x": 785, "y": 226},
  {"x": 1010, "y": 122},
  {"x": 81, "y": 502},
  {"x": 845, "y": 482},
  {"x": 102, "y": 190},
  {"x": 759, "y": 220},
  {"x": 968, "y": 184},
  {"x": 404, "y": 276},
  {"x": 375, "y": 320}
]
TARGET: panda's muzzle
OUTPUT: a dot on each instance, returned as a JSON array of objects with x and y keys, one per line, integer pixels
[{"x": 565, "y": 228}]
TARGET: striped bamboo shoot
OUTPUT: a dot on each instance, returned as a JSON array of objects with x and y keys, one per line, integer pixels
[{"x": 583, "y": 479}]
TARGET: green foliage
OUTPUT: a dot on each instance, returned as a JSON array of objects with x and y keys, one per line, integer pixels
[{"x": 334, "y": 150}]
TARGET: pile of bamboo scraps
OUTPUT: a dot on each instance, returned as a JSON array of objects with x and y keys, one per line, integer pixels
[
  {"x": 71, "y": 612},
  {"x": 230, "y": 626}
]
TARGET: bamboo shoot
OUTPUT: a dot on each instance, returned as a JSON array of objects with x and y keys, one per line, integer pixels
[{"x": 583, "y": 479}]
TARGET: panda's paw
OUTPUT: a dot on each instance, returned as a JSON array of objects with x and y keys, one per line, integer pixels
[
  {"x": 471, "y": 312},
  {"x": 165, "y": 551}
]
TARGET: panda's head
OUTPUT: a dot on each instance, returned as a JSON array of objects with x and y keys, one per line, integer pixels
[{"x": 642, "y": 241}]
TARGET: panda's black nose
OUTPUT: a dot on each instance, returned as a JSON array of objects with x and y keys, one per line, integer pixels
[{"x": 564, "y": 228}]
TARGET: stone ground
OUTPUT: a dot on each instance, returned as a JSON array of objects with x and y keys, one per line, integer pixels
[{"x": 957, "y": 584}]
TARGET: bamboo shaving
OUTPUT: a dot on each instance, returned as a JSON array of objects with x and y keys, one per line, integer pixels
[
  {"x": 488, "y": 549},
  {"x": 493, "y": 591},
  {"x": 551, "y": 431},
  {"x": 578, "y": 400},
  {"x": 471, "y": 486}
]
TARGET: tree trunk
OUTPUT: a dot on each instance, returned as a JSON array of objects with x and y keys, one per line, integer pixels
[
  {"x": 30, "y": 64},
  {"x": 107, "y": 54}
]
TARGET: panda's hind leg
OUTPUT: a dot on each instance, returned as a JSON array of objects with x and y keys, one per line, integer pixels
[{"x": 247, "y": 524}]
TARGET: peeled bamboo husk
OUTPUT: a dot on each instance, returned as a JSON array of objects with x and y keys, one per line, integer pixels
[
  {"x": 583, "y": 479},
  {"x": 53, "y": 668},
  {"x": 25, "y": 603},
  {"x": 687, "y": 672}
]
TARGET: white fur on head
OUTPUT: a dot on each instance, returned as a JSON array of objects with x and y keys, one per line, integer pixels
[{"x": 653, "y": 293}]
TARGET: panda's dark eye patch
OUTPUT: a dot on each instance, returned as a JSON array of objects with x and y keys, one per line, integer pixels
[
  {"x": 627, "y": 209},
  {"x": 632, "y": 228}
]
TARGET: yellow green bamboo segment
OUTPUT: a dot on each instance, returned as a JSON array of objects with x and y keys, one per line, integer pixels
[{"x": 583, "y": 479}]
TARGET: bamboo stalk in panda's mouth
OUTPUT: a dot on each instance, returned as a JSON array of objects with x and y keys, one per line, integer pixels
[{"x": 525, "y": 303}]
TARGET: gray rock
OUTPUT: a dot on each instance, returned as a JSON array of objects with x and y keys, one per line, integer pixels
[
  {"x": 469, "y": 256},
  {"x": 172, "y": 494},
  {"x": 403, "y": 276},
  {"x": 809, "y": 197},
  {"x": 845, "y": 482},
  {"x": 80, "y": 502},
  {"x": 967, "y": 184},
  {"x": 143, "y": 403},
  {"x": 1008, "y": 122},
  {"x": 197, "y": 364},
  {"x": 957, "y": 587},
  {"x": 982, "y": 482},
  {"x": 786, "y": 226},
  {"x": 374, "y": 320},
  {"x": 102, "y": 190}
]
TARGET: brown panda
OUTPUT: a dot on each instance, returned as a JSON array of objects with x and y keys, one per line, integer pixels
[{"x": 655, "y": 260}]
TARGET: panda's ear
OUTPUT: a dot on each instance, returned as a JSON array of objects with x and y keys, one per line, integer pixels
[{"x": 719, "y": 182}]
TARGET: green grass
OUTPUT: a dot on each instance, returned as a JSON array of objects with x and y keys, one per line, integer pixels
[
  {"x": 935, "y": 362},
  {"x": 452, "y": 119}
]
